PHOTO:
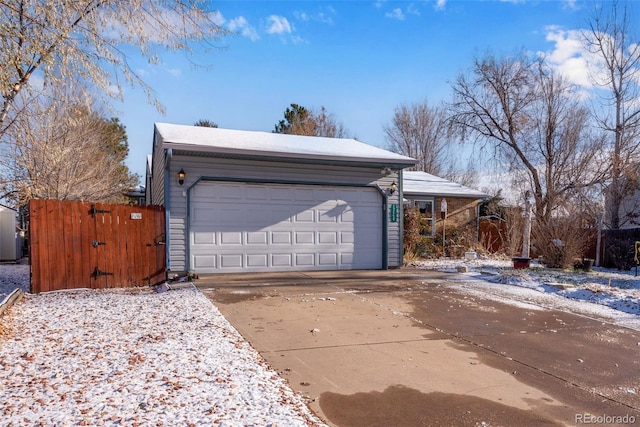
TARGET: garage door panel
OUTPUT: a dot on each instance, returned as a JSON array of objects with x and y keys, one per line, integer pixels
[
  {"x": 255, "y": 192},
  {"x": 229, "y": 192},
  {"x": 257, "y": 238},
  {"x": 206, "y": 213},
  {"x": 205, "y": 261},
  {"x": 257, "y": 260},
  {"x": 305, "y": 237},
  {"x": 281, "y": 193},
  {"x": 368, "y": 217},
  {"x": 347, "y": 216},
  {"x": 302, "y": 194},
  {"x": 231, "y": 260},
  {"x": 231, "y": 238},
  {"x": 327, "y": 237},
  {"x": 204, "y": 238},
  {"x": 305, "y": 260},
  {"x": 281, "y": 237},
  {"x": 328, "y": 259},
  {"x": 282, "y": 260},
  {"x": 237, "y": 227},
  {"x": 328, "y": 216},
  {"x": 347, "y": 237},
  {"x": 278, "y": 214},
  {"x": 305, "y": 216},
  {"x": 230, "y": 216},
  {"x": 254, "y": 216}
]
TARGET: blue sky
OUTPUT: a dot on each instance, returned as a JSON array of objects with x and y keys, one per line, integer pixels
[{"x": 359, "y": 59}]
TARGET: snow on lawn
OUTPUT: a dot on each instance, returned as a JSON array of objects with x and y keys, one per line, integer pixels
[
  {"x": 613, "y": 289},
  {"x": 135, "y": 357}
]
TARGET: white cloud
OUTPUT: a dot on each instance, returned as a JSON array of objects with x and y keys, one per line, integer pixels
[
  {"x": 440, "y": 4},
  {"x": 570, "y": 58},
  {"x": 378, "y": 4},
  {"x": 217, "y": 18},
  {"x": 413, "y": 10},
  {"x": 299, "y": 40},
  {"x": 301, "y": 16},
  {"x": 278, "y": 25},
  {"x": 570, "y": 4},
  {"x": 395, "y": 14},
  {"x": 241, "y": 25},
  {"x": 324, "y": 16},
  {"x": 36, "y": 81}
]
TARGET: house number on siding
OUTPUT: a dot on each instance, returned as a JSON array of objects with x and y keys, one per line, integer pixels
[
  {"x": 393, "y": 213},
  {"x": 136, "y": 215}
]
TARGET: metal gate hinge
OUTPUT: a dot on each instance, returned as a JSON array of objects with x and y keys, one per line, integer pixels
[
  {"x": 93, "y": 211},
  {"x": 97, "y": 273}
]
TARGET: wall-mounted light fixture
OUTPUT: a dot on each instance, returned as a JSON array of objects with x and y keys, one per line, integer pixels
[
  {"x": 181, "y": 175},
  {"x": 392, "y": 188}
]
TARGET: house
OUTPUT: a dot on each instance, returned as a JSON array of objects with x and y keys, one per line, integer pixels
[
  {"x": 242, "y": 201},
  {"x": 137, "y": 195},
  {"x": 428, "y": 192},
  {"x": 11, "y": 238}
]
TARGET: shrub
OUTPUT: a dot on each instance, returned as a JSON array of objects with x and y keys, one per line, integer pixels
[{"x": 560, "y": 241}]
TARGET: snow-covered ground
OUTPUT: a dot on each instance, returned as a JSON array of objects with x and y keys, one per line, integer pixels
[
  {"x": 133, "y": 357},
  {"x": 603, "y": 293},
  {"x": 136, "y": 357}
]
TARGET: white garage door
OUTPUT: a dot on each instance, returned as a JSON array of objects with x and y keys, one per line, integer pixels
[{"x": 238, "y": 227}]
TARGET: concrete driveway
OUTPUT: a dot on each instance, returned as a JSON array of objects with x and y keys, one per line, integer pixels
[{"x": 401, "y": 347}]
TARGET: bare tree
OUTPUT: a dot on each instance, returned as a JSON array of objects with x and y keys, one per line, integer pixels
[
  {"x": 298, "y": 120},
  {"x": 617, "y": 71},
  {"x": 420, "y": 131},
  {"x": 79, "y": 40},
  {"x": 64, "y": 152},
  {"x": 534, "y": 123},
  {"x": 327, "y": 126}
]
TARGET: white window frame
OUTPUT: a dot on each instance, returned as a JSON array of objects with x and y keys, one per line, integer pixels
[{"x": 432, "y": 201}]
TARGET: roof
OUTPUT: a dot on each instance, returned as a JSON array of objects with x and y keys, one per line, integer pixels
[
  {"x": 274, "y": 145},
  {"x": 425, "y": 184}
]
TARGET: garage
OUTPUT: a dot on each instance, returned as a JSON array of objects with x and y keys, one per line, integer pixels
[
  {"x": 244, "y": 201},
  {"x": 242, "y": 227}
]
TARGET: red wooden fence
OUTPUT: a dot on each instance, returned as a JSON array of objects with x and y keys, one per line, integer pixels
[{"x": 95, "y": 245}]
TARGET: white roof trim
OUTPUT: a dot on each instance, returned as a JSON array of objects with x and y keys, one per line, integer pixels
[
  {"x": 266, "y": 144},
  {"x": 415, "y": 183}
]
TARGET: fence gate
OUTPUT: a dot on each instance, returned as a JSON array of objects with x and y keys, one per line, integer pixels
[{"x": 95, "y": 245}]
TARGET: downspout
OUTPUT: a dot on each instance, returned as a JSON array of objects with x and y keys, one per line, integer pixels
[
  {"x": 167, "y": 206},
  {"x": 385, "y": 228},
  {"x": 187, "y": 226},
  {"x": 401, "y": 216}
]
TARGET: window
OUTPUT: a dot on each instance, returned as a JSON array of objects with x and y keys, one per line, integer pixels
[
  {"x": 426, "y": 211},
  {"x": 425, "y": 207}
]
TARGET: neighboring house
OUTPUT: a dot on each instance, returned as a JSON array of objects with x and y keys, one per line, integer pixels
[
  {"x": 137, "y": 195},
  {"x": 241, "y": 201},
  {"x": 10, "y": 237},
  {"x": 629, "y": 211},
  {"x": 427, "y": 192}
]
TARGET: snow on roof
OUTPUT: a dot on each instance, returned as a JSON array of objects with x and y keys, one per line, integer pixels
[
  {"x": 266, "y": 144},
  {"x": 422, "y": 183}
]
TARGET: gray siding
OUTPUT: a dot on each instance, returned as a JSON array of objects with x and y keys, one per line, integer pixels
[
  {"x": 156, "y": 186},
  {"x": 209, "y": 167}
]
